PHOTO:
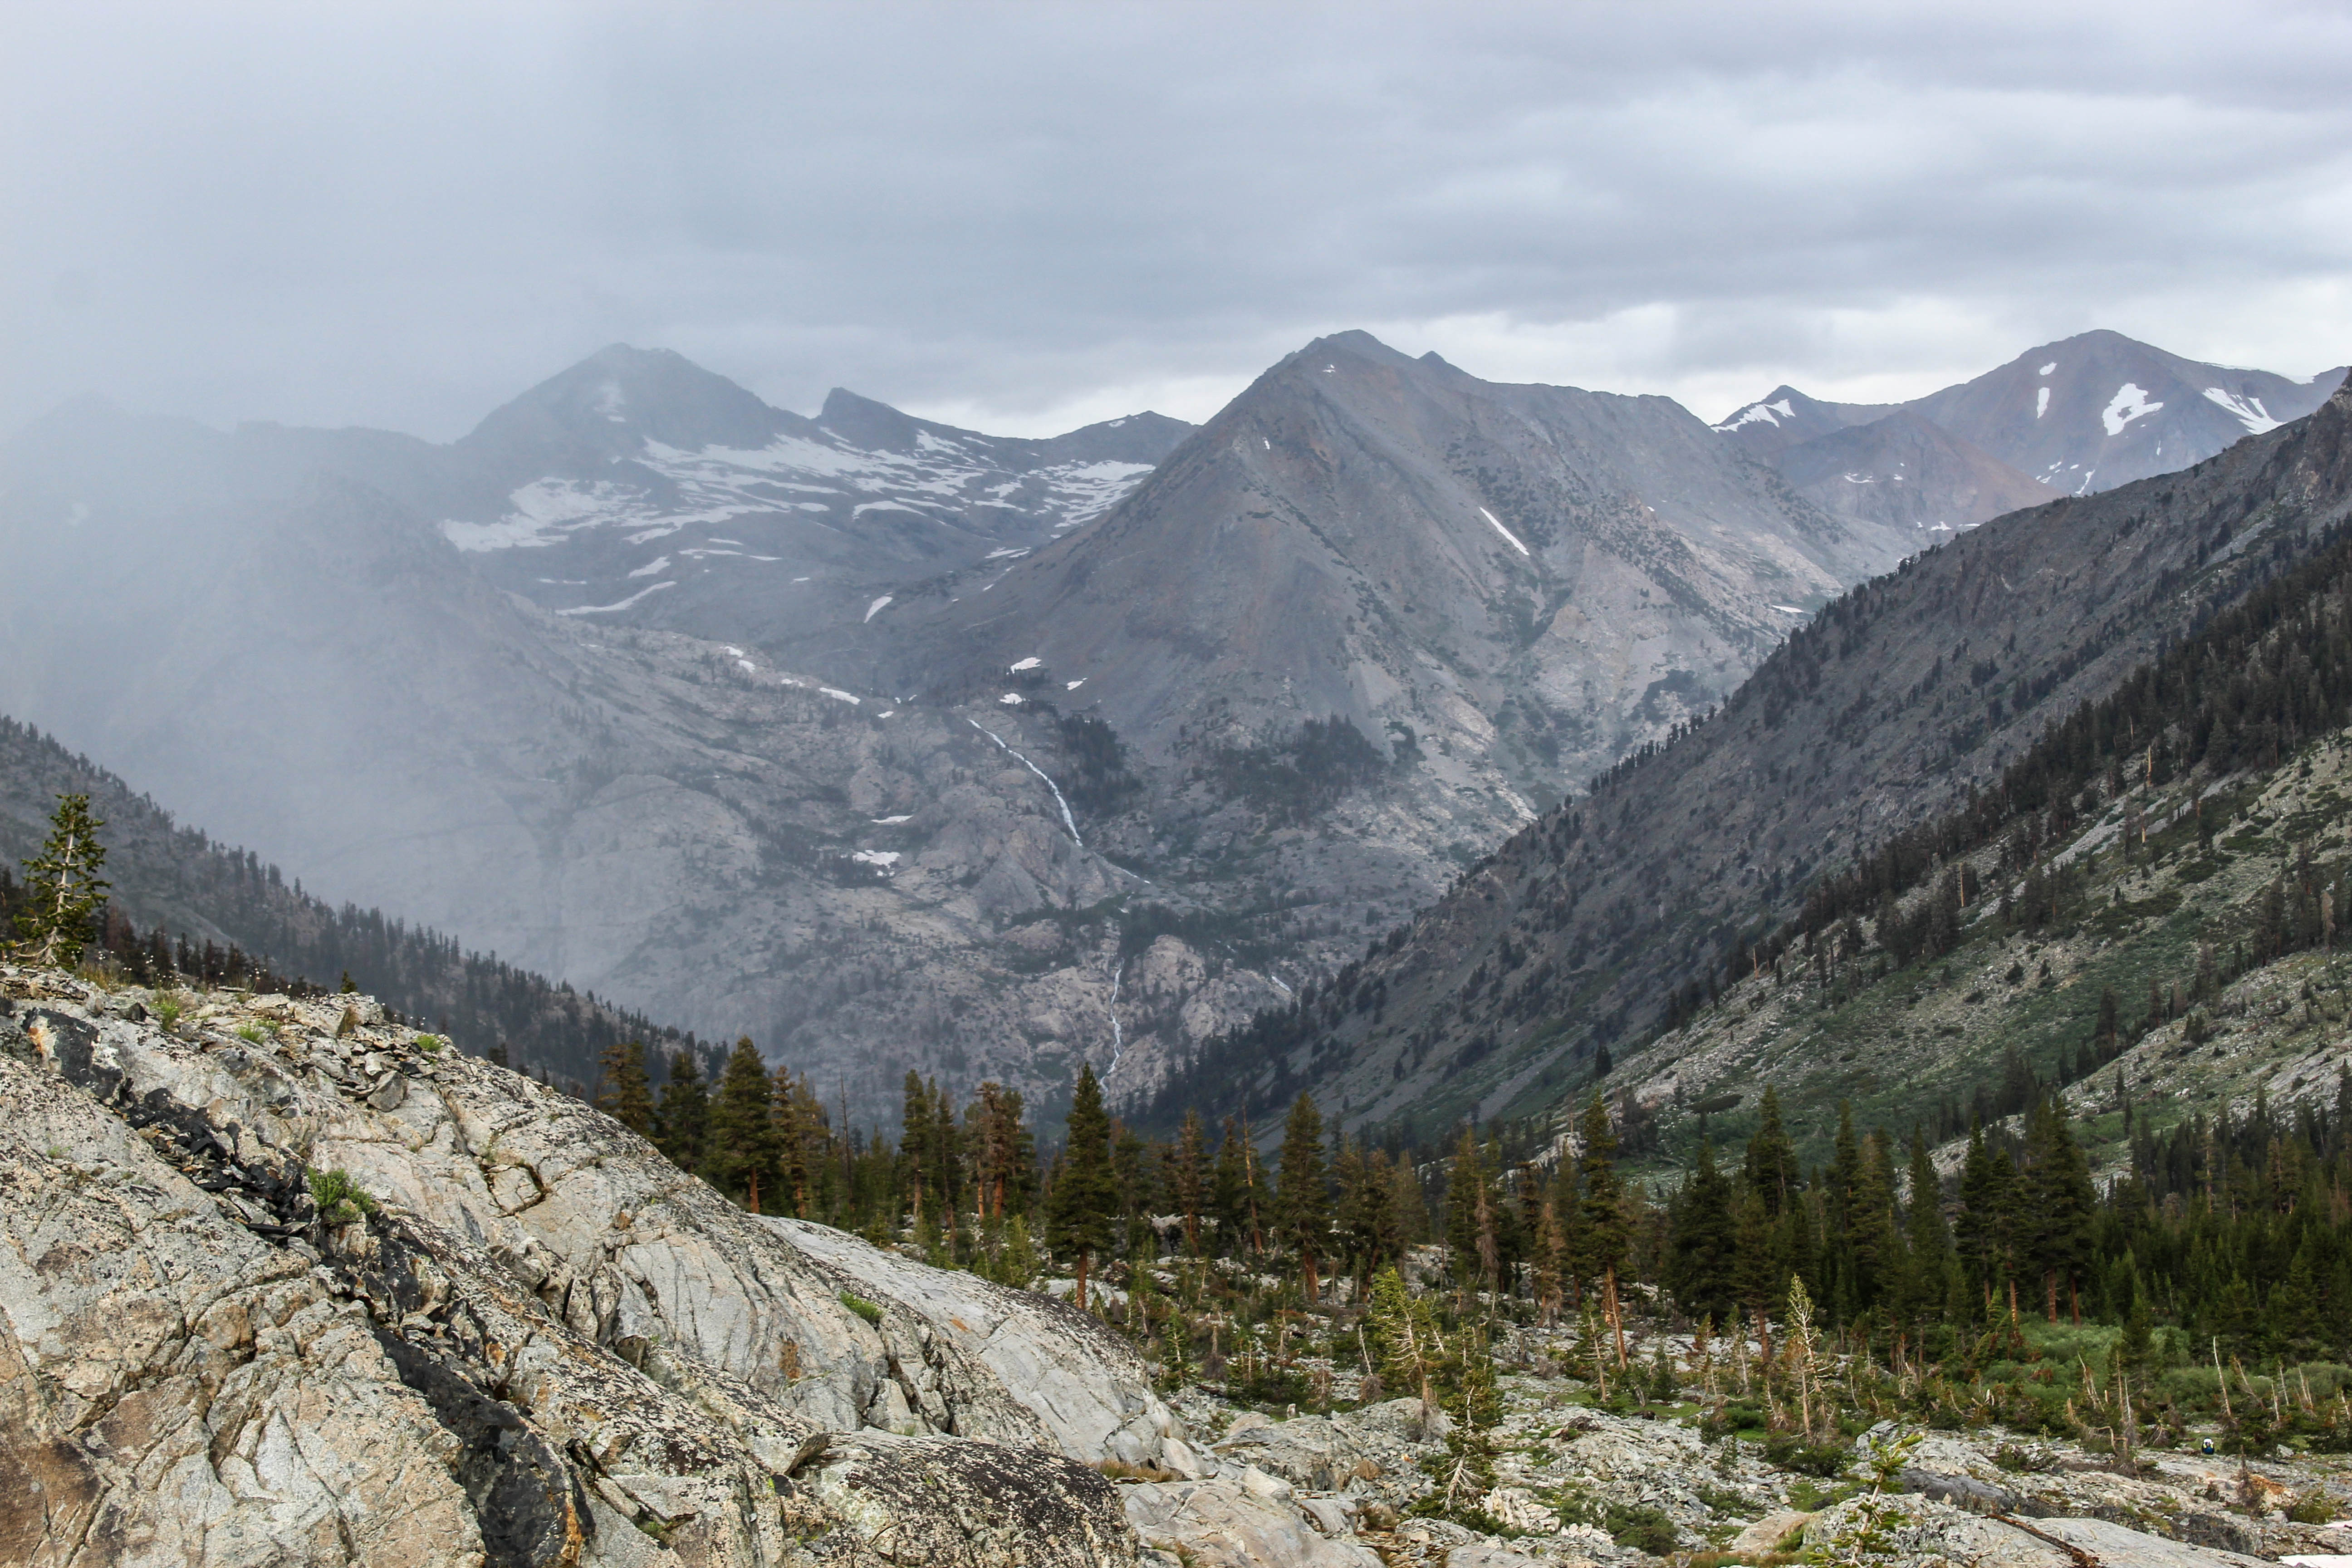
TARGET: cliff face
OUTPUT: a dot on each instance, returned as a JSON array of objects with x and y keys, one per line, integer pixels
[{"x": 528, "y": 1340}]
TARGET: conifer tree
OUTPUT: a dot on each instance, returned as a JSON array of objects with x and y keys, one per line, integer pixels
[
  {"x": 1003, "y": 1150},
  {"x": 1605, "y": 1239},
  {"x": 1706, "y": 1241},
  {"x": 744, "y": 1156},
  {"x": 1405, "y": 1338},
  {"x": 1928, "y": 1242},
  {"x": 627, "y": 1097},
  {"x": 1375, "y": 1225},
  {"x": 684, "y": 1130},
  {"x": 1467, "y": 1232},
  {"x": 2054, "y": 1201},
  {"x": 1302, "y": 1202},
  {"x": 1871, "y": 1234},
  {"x": 1078, "y": 1208},
  {"x": 1188, "y": 1177},
  {"x": 1987, "y": 1183},
  {"x": 1229, "y": 1192},
  {"x": 62, "y": 886},
  {"x": 789, "y": 1105},
  {"x": 1771, "y": 1163},
  {"x": 914, "y": 1142}
]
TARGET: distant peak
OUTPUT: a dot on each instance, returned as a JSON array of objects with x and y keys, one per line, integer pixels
[
  {"x": 844, "y": 403},
  {"x": 865, "y": 423},
  {"x": 1356, "y": 340}
]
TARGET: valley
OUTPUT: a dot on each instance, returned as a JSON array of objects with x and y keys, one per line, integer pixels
[{"x": 899, "y": 746}]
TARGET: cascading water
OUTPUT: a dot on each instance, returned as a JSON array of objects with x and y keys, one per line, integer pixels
[
  {"x": 1068, "y": 820},
  {"x": 1117, "y": 1040}
]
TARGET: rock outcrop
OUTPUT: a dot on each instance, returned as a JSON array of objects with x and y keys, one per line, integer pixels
[{"x": 283, "y": 1284}]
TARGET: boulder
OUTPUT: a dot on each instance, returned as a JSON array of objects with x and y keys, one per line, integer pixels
[
  {"x": 1006, "y": 1360},
  {"x": 1311, "y": 1452},
  {"x": 1920, "y": 1528},
  {"x": 1961, "y": 1491},
  {"x": 1773, "y": 1532},
  {"x": 1488, "y": 1554},
  {"x": 1224, "y": 1524}
]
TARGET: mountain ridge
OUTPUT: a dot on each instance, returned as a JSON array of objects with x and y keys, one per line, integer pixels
[{"x": 1580, "y": 926}]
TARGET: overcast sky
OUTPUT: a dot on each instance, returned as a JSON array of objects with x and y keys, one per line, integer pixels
[{"x": 1026, "y": 217}]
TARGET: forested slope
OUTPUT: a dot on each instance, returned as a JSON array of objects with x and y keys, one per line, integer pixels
[{"x": 233, "y": 918}]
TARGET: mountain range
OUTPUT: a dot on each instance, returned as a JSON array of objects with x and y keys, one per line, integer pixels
[
  {"x": 1593, "y": 927},
  {"x": 899, "y": 746}
]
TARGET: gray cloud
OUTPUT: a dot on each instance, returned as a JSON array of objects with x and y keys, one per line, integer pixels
[{"x": 1023, "y": 217}]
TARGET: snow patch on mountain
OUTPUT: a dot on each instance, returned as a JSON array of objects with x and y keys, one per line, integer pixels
[
  {"x": 622, "y": 604},
  {"x": 1758, "y": 414},
  {"x": 2249, "y": 411},
  {"x": 1506, "y": 532},
  {"x": 2128, "y": 404}
]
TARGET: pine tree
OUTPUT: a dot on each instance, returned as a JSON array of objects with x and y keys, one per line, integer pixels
[
  {"x": 683, "y": 1132},
  {"x": 1229, "y": 1192},
  {"x": 914, "y": 1143},
  {"x": 627, "y": 1097},
  {"x": 1188, "y": 1177},
  {"x": 62, "y": 886},
  {"x": 1003, "y": 1150},
  {"x": 1302, "y": 1202},
  {"x": 1605, "y": 1238},
  {"x": 1705, "y": 1221},
  {"x": 1987, "y": 1183},
  {"x": 789, "y": 1105},
  {"x": 744, "y": 1155},
  {"x": 2054, "y": 1201},
  {"x": 1469, "y": 1236},
  {"x": 1871, "y": 1233},
  {"x": 1404, "y": 1336},
  {"x": 1078, "y": 1209},
  {"x": 1771, "y": 1163},
  {"x": 1928, "y": 1244},
  {"x": 1375, "y": 1227}
]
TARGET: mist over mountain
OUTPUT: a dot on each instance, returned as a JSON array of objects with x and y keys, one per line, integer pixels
[{"x": 896, "y": 745}]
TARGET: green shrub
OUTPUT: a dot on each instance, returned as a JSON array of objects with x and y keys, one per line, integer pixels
[
  {"x": 2314, "y": 1507},
  {"x": 339, "y": 1198},
  {"x": 1827, "y": 1460},
  {"x": 251, "y": 1033},
  {"x": 1640, "y": 1527},
  {"x": 167, "y": 1011},
  {"x": 863, "y": 1308},
  {"x": 430, "y": 1044}
]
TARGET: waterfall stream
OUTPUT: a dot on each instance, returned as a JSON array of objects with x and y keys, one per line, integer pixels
[{"x": 1068, "y": 820}]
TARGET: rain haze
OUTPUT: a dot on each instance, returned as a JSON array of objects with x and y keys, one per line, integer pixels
[{"x": 1022, "y": 218}]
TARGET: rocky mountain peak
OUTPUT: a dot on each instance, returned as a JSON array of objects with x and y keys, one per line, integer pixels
[
  {"x": 614, "y": 402},
  {"x": 874, "y": 427}
]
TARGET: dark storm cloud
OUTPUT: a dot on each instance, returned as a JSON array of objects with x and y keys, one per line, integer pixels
[{"x": 1023, "y": 217}]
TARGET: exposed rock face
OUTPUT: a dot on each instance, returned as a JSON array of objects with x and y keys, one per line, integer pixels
[{"x": 540, "y": 1344}]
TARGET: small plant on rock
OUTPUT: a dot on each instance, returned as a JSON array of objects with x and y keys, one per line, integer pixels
[
  {"x": 339, "y": 1199},
  {"x": 863, "y": 1308}
]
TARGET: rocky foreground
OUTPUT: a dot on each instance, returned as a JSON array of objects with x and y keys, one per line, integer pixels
[{"x": 283, "y": 1283}]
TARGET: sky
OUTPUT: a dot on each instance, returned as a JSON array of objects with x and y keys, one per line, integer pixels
[{"x": 1023, "y": 218}]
